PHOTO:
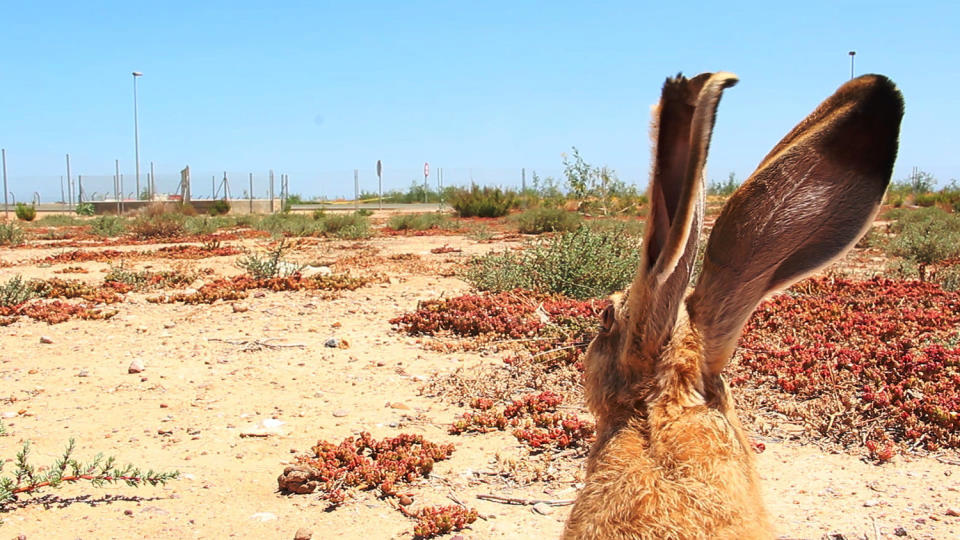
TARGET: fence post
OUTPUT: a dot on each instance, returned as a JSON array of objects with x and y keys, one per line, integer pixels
[
  {"x": 80, "y": 188},
  {"x": 251, "y": 193},
  {"x": 69, "y": 184},
  {"x": 153, "y": 182},
  {"x": 116, "y": 184},
  {"x": 271, "y": 192},
  {"x": 356, "y": 190},
  {"x": 6, "y": 202}
]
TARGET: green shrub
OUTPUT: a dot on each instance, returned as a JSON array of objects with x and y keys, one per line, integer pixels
[
  {"x": 270, "y": 266},
  {"x": 586, "y": 263},
  {"x": 15, "y": 291},
  {"x": 483, "y": 202},
  {"x": 541, "y": 220},
  {"x": 219, "y": 207},
  {"x": 422, "y": 222},
  {"x": 352, "y": 226},
  {"x": 108, "y": 226},
  {"x": 84, "y": 209},
  {"x": 200, "y": 225},
  {"x": 926, "y": 236},
  {"x": 10, "y": 234},
  {"x": 291, "y": 225},
  {"x": 925, "y": 200},
  {"x": 58, "y": 220},
  {"x": 157, "y": 221},
  {"x": 25, "y": 212}
]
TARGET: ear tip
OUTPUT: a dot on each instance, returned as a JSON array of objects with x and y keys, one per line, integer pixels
[{"x": 877, "y": 92}]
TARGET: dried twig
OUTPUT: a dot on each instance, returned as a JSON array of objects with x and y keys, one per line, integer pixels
[
  {"x": 948, "y": 461},
  {"x": 250, "y": 345},
  {"x": 517, "y": 500}
]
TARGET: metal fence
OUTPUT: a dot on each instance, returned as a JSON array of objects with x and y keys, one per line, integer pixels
[{"x": 72, "y": 187}]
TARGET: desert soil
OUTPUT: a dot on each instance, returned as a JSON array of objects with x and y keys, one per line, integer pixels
[{"x": 201, "y": 389}]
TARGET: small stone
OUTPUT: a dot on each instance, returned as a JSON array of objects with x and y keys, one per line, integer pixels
[
  {"x": 401, "y": 406},
  {"x": 83, "y": 373},
  {"x": 871, "y": 502},
  {"x": 336, "y": 343},
  {"x": 128, "y": 512},
  {"x": 340, "y": 413},
  {"x": 953, "y": 511},
  {"x": 899, "y": 531},
  {"x": 406, "y": 500},
  {"x": 240, "y": 308},
  {"x": 543, "y": 509},
  {"x": 303, "y": 533},
  {"x": 169, "y": 325},
  {"x": 45, "y": 340},
  {"x": 141, "y": 329},
  {"x": 264, "y": 516},
  {"x": 136, "y": 366}
]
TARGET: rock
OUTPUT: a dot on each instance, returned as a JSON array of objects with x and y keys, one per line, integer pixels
[
  {"x": 303, "y": 533},
  {"x": 240, "y": 308},
  {"x": 45, "y": 340},
  {"x": 83, "y": 373},
  {"x": 899, "y": 531},
  {"x": 336, "y": 343},
  {"x": 406, "y": 500},
  {"x": 311, "y": 271},
  {"x": 543, "y": 509},
  {"x": 953, "y": 511},
  {"x": 871, "y": 502},
  {"x": 340, "y": 413},
  {"x": 136, "y": 366},
  {"x": 401, "y": 406},
  {"x": 264, "y": 516},
  {"x": 298, "y": 479},
  {"x": 169, "y": 325},
  {"x": 263, "y": 428}
]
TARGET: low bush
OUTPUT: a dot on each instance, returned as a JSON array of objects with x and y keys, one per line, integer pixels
[
  {"x": 925, "y": 237},
  {"x": 422, "y": 222},
  {"x": 25, "y": 212},
  {"x": 542, "y": 220},
  {"x": 200, "y": 225},
  {"x": 159, "y": 221},
  {"x": 291, "y": 225},
  {"x": 108, "y": 226},
  {"x": 10, "y": 234},
  {"x": 84, "y": 209},
  {"x": 352, "y": 226},
  {"x": 15, "y": 292},
  {"x": 483, "y": 202},
  {"x": 219, "y": 207},
  {"x": 272, "y": 265},
  {"x": 58, "y": 220},
  {"x": 586, "y": 263}
]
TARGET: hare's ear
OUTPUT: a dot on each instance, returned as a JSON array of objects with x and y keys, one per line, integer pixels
[
  {"x": 810, "y": 199},
  {"x": 682, "y": 125}
]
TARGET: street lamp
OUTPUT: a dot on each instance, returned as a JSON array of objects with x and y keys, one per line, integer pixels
[
  {"x": 136, "y": 129},
  {"x": 852, "y": 54}
]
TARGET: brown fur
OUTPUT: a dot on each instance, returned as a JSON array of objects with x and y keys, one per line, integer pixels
[{"x": 671, "y": 460}]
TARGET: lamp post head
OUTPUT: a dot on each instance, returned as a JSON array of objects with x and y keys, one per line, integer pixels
[
  {"x": 138, "y": 74},
  {"x": 851, "y": 53}
]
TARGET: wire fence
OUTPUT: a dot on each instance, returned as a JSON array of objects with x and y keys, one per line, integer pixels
[{"x": 343, "y": 184}]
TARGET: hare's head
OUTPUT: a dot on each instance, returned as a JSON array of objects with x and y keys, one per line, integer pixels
[{"x": 809, "y": 200}]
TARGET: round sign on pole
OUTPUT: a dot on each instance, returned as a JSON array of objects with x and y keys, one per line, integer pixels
[
  {"x": 426, "y": 169},
  {"x": 379, "y": 168}
]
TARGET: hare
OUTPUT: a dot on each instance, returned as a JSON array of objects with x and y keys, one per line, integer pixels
[{"x": 671, "y": 459}]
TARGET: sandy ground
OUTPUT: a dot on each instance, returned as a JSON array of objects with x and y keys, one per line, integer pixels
[{"x": 186, "y": 412}]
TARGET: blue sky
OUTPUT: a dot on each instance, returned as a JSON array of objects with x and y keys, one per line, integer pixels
[{"x": 316, "y": 89}]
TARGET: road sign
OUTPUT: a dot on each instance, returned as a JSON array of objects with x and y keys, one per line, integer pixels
[
  {"x": 379, "y": 168},
  {"x": 426, "y": 169}
]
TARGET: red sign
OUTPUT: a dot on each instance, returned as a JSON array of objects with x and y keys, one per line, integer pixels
[{"x": 426, "y": 170}]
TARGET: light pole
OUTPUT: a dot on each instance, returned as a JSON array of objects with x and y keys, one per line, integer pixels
[
  {"x": 136, "y": 130},
  {"x": 852, "y": 54}
]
